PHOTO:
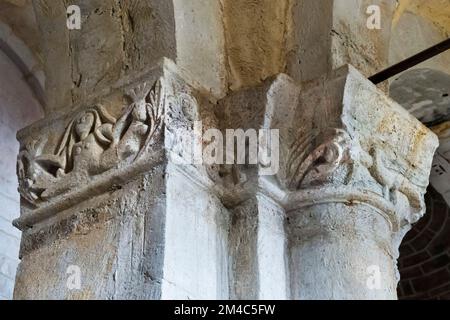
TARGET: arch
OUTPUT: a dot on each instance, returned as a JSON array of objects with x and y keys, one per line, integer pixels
[
  {"x": 19, "y": 107},
  {"x": 24, "y": 59},
  {"x": 414, "y": 30}
]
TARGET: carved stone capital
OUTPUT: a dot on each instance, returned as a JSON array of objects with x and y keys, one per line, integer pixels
[
  {"x": 354, "y": 168},
  {"x": 343, "y": 140},
  {"x": 69, "y": 158}
]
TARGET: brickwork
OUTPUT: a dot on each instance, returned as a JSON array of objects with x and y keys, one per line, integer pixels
[{"x": 425, "y": 254}]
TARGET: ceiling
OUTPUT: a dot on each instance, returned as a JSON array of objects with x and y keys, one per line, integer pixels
[
  {"x": 19, "y": 16},
  {"x": 437, "y": 11}
]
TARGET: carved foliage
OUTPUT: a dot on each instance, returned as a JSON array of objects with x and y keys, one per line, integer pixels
[
  {"x": 307, "y": 164},
  {"x": 29, "y": 171},
  {"x": 93, "y": 142},
  {"x": 323, "y": 157},
  {"x": 181, "y": 113}
]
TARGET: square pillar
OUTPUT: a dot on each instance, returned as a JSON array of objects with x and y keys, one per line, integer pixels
[{"x": 106, "y": 211}]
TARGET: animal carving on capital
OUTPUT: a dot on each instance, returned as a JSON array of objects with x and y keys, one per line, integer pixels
[{"x": 93, "y": 142}]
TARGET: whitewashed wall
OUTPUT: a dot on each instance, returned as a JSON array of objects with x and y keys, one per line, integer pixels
[{"x": 18, "y": 108}]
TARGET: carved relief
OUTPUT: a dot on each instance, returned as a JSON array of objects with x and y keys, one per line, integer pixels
[
  {"x": 394, "y": 177},
  {"x": 32, "y": 177},
  {"x": 141, "y": 122},
  {"x": 92, "y": 143},
  {"x": 307, "y": 165},
  {"x": 182, "y": 111},
  {"x": 84, "y": 141}
]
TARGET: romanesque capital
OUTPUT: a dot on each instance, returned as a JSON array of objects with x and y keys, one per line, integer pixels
[
  {"x": 343, "y": 140},
  {"x": 354, "y": 168},
  {"x": 120, "y": 133}
]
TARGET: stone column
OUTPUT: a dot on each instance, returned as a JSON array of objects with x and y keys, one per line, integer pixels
[
  {"x": 354, "y": 170},
  {"x": 105, "y": 201},
  {"x": 257, "y": 241},
  {"x": 101, "y": 187}
]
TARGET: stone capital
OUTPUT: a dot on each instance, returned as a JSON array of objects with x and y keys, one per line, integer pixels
[
  {"x": 343, "y": 140},
  {"x": 104, "y": 187},
  {"x": 354, "y": 168},
  {"x": 124, "y": 131}
]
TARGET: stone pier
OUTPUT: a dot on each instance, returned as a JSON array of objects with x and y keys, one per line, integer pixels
[{"x": 111, "y": 208}]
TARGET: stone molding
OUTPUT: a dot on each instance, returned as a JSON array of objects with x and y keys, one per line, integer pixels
[{"x": 344, "y": 141}]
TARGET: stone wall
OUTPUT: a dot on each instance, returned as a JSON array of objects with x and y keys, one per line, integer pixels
[{"x": 18, "y": 108}]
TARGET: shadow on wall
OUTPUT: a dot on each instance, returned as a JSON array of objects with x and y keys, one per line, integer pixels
[{"x": 18, "y": 108}]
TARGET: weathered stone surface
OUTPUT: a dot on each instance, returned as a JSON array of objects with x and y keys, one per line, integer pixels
[
  {"x": 441, "y": 165},
  {"x": 325, "y": 35},
  {"x": 120, "y": 38},
  {"x": 100, "y": 189},
  {"x": 255, "y": 34},
  {"x": 412, "y": 33},
  {"x": 7, "y": 286},
  {"x": 107, "y": 186},
  {"x": 425, "y": 94},
  {"x": 434, "y": 10},
  {"x": 354, "y": 170},
  {"x": 116, "y": 240}
]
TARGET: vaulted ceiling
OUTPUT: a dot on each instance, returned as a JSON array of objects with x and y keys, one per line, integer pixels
[
  {"x": 437, "y": 11},
  {"x": 19, "y": 16}
]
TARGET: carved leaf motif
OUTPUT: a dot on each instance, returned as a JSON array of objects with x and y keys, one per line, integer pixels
[
  {"x": 306, "y": 165},
  {"x": 27, "y": 170},
  {"x": 92, "y": 143},
  {"x": 182, "y": 112},
  {"x": 180, "y": 139},
  {"x": 155, "y": 102}
]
